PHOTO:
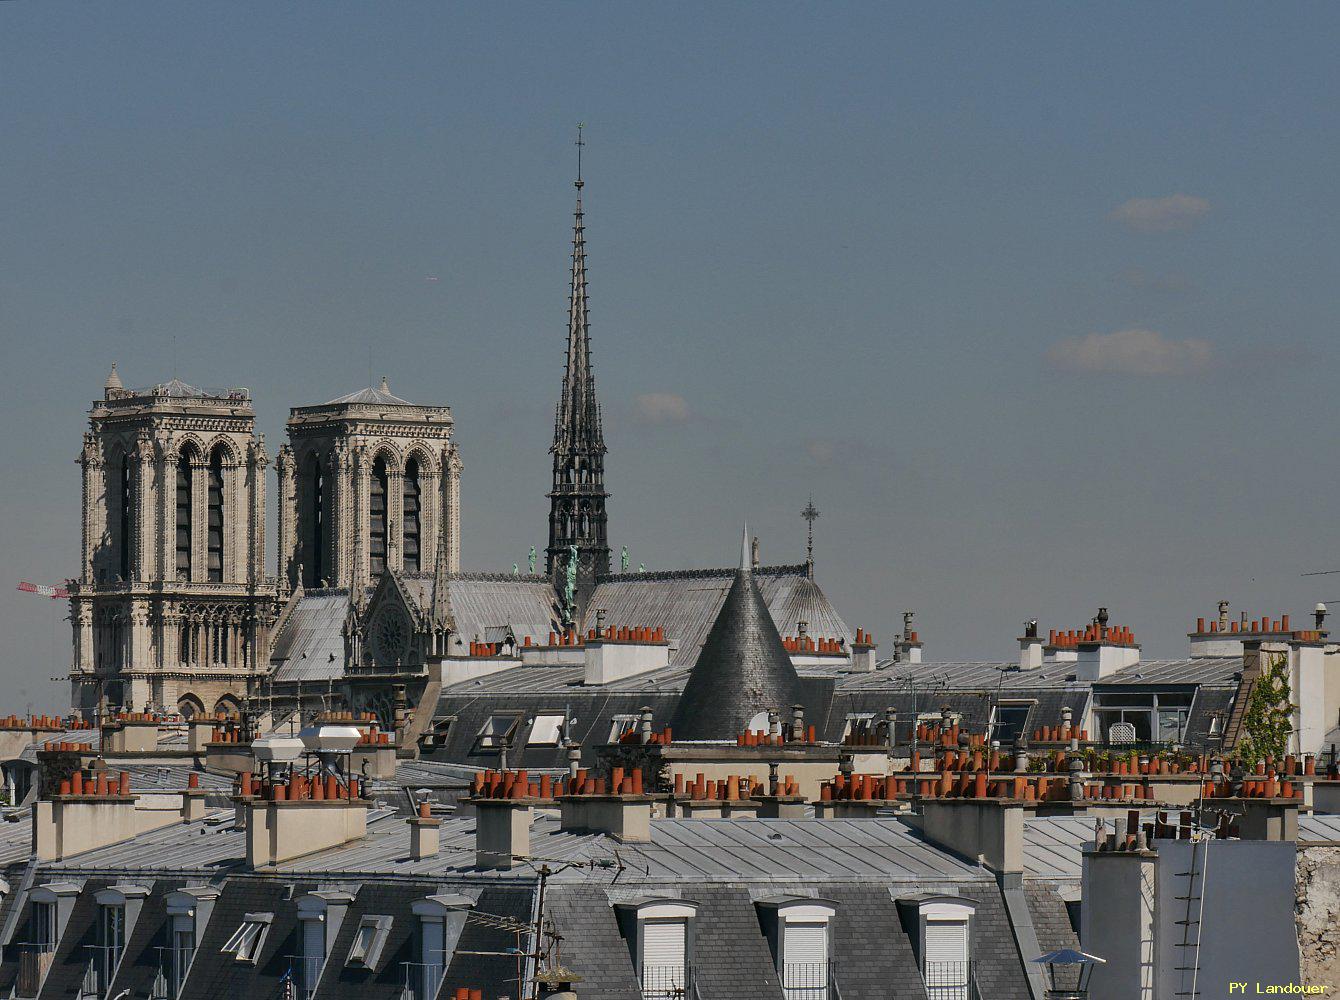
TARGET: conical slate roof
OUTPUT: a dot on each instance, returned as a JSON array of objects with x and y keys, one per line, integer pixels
[{"x": 742, "y": 670}]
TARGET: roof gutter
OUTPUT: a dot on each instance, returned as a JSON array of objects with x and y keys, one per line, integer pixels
[{"x": 1025, "y": 935}]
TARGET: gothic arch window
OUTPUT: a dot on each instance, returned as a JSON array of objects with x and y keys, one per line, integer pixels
[
  {"x": 378, "y": 514},
  {"x": 228, "y": 705},
  {"x": 190, "y": 706},
  {"x": 214, "y": 509},
  {"x": 123, "y": 527},
  {"x": 183, "y": 517},
  {"x": 410, "y": 517},
  {"x": 314, "y": 520}
]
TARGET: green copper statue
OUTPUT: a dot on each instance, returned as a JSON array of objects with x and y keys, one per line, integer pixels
[
  {"x": 570, "y": 588},
  {"x": 623, "y": 559},
  {"x": 516, "y": 570},
  {"x": 532, "y": 560}
]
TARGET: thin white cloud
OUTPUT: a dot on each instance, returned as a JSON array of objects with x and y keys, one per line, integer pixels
[
  {"x": 662, "y": 407},
  {"x": 1176, "y": 213},
  {"x": 821, "y": 451},
  {"x": 1131, "y": 352}
]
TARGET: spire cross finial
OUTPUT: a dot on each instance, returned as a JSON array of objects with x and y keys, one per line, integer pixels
[
  {"x": 579, "y": 144},
  {"x": 810, "y": 514}
]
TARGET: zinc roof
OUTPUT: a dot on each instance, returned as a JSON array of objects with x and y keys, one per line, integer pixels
[
  {"x": 310, "y": 646},
  {"x": 681, "y": 850},
  {"x": 1212, "y": 671},
  {"x": 685, "y": 604},
  {"x": 960, "y": 675}
]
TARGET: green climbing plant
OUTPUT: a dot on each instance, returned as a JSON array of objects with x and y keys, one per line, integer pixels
[{"x": 1268, "y": 721}]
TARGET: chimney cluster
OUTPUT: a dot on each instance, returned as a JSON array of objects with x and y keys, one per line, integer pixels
[
  {"x": 763, "y": 738},
  {"x": 299, "y": 788},
  {"x": 809, "y": 644},
  {"x": 1059, "y": 734},
  {"x": 97, "y": 784},
  {"x": 1254, "y": 626},
  {"x": 732, "y": 788},
  {"x": 231, "y": 729},
  {"x": 1117, "y": 635},
  {"x": 43, "y": 723},
  {"x": 96, "y": 809},
  {"x": 512, "y": 785}
]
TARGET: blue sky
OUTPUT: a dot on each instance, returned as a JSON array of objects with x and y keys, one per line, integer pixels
[{"x": 1037, "y": 300}]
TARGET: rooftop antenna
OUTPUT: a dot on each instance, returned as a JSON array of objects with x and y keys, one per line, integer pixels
[{"x": 810, "y": 514}]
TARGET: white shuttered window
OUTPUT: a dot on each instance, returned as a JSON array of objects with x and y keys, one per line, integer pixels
[
  {"x": 664, "y": 944},
  {"x": 945, "y": 962},
  {"x": 805, "y": 960}
]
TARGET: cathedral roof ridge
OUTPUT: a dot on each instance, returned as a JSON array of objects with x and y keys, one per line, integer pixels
[{"x": 786, "y": 569}]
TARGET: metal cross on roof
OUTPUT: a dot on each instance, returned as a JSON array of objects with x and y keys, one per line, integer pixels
[{"x": 810, "y": 514}]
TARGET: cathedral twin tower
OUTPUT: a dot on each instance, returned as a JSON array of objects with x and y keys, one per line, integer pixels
[{"x": 172, "y": 606}]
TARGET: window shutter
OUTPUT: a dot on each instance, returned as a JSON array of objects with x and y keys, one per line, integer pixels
[
  {"x": 946, "y": 941},
  {"x": 314, "y": 940},
  {"x": 663, "y": 944},
  {"x": 805, "y": 944}
]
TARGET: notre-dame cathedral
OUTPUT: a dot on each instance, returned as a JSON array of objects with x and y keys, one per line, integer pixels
[{"x": 173, "y": 608}]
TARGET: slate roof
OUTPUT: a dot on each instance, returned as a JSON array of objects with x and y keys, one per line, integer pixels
[
  {"x": 215, "y": 975},
  {"x": 386, "y": 980},
  {"x": 310, "y": 643},
  {"x": 743, "y": 669},
  {"x": 143, "y": 958},
  {"x": 686, "y": 603},
  {"x": 725, "y": 866},
  {"x": 480, "y": 601}
]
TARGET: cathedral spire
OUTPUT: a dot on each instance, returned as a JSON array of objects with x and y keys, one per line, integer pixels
[
  {"x": 577, "y": 499},
  {"x": 577, "y": 422}
]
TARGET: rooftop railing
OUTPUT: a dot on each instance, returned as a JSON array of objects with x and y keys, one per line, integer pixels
[
  {"x": 807, "y": 981},
  {"x": 667, "y": 982},
  {"x": 422, "y": 979},
  {"x": 949, "y": 981},
  {"x": 304, "y": 973},
  {"x": 34, "y": 960}
]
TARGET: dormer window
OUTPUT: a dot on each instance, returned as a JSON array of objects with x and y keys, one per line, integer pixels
[
  {"x": 441, "y": 919},
  {"x": 52, "y": 904},
  {"x": 245, "y": 944},
  {"x": 118, "y": 906},
  {"x": 499, "y": 731},
  {"x": 188, "y": 912},
  {"x": 621, "y": 726},
  {"x": 369, "y": 939},
  {"x": 1008, "y": 720},
  {"x": 798, "y": 932},
  {"x": 660, "y": 935},
  {"x": 42, "y": 926},
  {"x": 546, "y": 730},
  {"x": 319, "y": 917},
  {"x": 945, "y": 947}
]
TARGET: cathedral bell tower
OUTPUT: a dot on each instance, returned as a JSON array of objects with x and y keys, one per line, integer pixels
[
  {"x": 577, "y": 520},
  {"x": 171, "y": 607},
  {"x": 368, "y": 482}
]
